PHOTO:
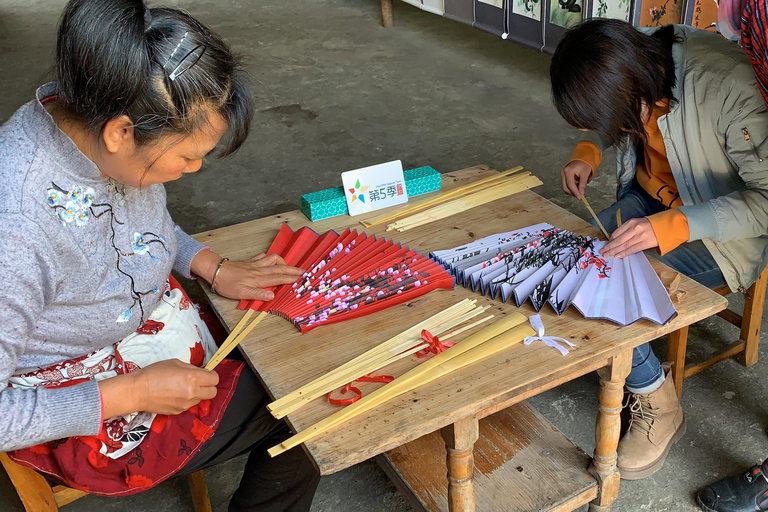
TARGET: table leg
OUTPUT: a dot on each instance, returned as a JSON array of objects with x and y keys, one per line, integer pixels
[
  {"x": 607, "y": 431},
  {"x": 387, "y": 13},
  {"x": 460, "y": 443},
  {"x": 677, "y": 343}
]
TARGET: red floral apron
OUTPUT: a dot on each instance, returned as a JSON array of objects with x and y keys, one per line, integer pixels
[{"x": 137, "y": 451}]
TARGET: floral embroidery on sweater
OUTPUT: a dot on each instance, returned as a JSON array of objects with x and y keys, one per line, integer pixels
[
  {"x": 141, "y": 243},
  {"x": 77, "y": 205},
  {"x": 73, "y": 205}
]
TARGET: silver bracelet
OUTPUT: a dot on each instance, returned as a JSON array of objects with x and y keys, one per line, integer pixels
[{"x": 216, "y": 274}]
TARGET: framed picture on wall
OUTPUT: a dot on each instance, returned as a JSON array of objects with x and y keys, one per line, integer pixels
[
  {"x": 615, "y": 9},
  {"x": 561, "y": 15},
  {"x": 490, "y": 15},
  {"x": 462, "y": 11},
  {"x": 702, "y": 14},
  {"x": 655, "y": 13},
  {"x": 524, "y": 22}
]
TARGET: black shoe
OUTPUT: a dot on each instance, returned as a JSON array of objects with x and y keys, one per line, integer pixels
[{"x": 742, "y": 493}]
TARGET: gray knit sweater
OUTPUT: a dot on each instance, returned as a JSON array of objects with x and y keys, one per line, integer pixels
[{"x": 82, "y": 262}]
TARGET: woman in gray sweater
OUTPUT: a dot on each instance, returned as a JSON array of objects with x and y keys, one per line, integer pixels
[{"x": 100, "y": 384}]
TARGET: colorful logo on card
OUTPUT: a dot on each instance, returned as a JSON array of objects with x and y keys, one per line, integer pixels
[{"x": 358, "y": 193}]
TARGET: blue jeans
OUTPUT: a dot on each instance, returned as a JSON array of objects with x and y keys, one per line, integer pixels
[{"x": 691, "y": 259}]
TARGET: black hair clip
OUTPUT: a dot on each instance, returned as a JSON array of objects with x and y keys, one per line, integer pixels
[
  {"x": 189, "y": 60},
  {"x": 186, "y": 62}
]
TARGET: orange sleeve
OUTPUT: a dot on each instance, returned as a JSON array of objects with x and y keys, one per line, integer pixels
[
  {"x": 588, "y": 153},
  {"x": 670, "y": 228}
]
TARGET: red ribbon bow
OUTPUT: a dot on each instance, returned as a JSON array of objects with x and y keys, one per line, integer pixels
[{"x": 435, "y": 345}]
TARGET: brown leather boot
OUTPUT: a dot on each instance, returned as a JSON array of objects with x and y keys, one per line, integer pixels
[{"x": 656, "y": 423}]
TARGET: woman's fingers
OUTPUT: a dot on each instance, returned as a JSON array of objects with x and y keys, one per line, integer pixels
[
  {"x": 171, "y": 387},
  {"x": 291, "y": 271},
  {"x": 269, "y": 280},
  {"x": 570, "y": 185},
  {"x": 249, "y": 293},
  {"x": 582, "y": 187},
  {"x": 203, "y": 377},
  {"x": 274, "y": 263},
  {"x": 575, "y": 177},
  {"x": 633, "y": 236},
  {"x": 619, "y": 239},
  {"x": 271, "y": 259},
  {"x": 629, "y": 249},
  {"x": 208, "y": 392},
  {"x": 564, "y": 178}
]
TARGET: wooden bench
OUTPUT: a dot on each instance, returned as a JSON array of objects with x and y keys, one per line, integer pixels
[
  {"x": 37, "y": 495},
  {"x": 522, "y": 464}
]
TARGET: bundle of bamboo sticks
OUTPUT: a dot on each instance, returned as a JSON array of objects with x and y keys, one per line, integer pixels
[
  {"x": 403, "y": 345},
  {"x": 457, "y": 200},
  {"x": 235, "y": 337},
  {"x": 489, "y": 341}
]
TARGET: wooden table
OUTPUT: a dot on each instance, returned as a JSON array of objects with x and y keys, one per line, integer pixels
[{"x": 284, "y": 359}]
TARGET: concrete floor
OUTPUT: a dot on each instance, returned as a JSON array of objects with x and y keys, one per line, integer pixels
[{"x": 335, "y": 91}]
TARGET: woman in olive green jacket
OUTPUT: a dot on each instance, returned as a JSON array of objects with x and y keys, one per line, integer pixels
[{"x": 691, "y": 131}]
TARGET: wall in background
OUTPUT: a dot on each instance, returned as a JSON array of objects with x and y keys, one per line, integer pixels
[{"x": 541, "y": 24}]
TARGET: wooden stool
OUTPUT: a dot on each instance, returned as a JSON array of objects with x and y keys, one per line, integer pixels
[
  {"x": 37, "y": 495},
  {"x": 745, "y": 346}
]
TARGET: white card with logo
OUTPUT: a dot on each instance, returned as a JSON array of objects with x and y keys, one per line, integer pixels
[{"x": 375, "y": 187}]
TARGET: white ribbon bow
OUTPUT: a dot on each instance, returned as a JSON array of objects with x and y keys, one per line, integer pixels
[{"x": 550, "y": 341}]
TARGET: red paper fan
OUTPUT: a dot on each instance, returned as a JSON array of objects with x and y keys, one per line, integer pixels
[{"x": 348, "y": 275}]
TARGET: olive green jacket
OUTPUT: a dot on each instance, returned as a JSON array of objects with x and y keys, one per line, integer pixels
[{"x": 716, "y": 138}]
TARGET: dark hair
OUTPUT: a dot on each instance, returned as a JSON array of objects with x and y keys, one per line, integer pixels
[
  {"x": 602, "y": 72},
  {"x": 160, "y": 67}
]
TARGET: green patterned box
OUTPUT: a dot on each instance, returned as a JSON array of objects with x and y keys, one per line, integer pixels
[
  {"x": 332, "y": 202},
  {"x": 421, "y": 180}
]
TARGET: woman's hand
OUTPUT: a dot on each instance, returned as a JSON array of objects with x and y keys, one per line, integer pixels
[
  {"x": 575, "y": 177},
  {"x": 246, "y": 279},
  {"x": 166, "y": 387},
  {"x": 633, "y": 236}
]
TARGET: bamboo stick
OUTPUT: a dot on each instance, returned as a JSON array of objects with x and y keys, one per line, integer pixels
[
  {"x": 466, "y": 328},
  {"x": 441, "y": 328},
  {"x": 391, "y": 347},
  {"x": 464, "y": 203},
  {"x": 307, "y": 398},
  {"x": 442, "y": 197},
  {"x": 594, "y": 216},
  {"x": 352, "y": 374},
  {"x": 234, "y": 339},
  {"x": 503, "y": 333},
  {"x": 232, "y": 335},
  {"x": 366, "y": 363}
]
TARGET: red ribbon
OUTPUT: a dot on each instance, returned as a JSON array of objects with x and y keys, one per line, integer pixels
[
  {"x": 435, "y": 345},
  {"x": 358, "y": 394}
]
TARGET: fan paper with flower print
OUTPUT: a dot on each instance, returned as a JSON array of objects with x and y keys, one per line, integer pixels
[
  {"x": 348, "y": 275},
  {"x": 545, "y": 264}
]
